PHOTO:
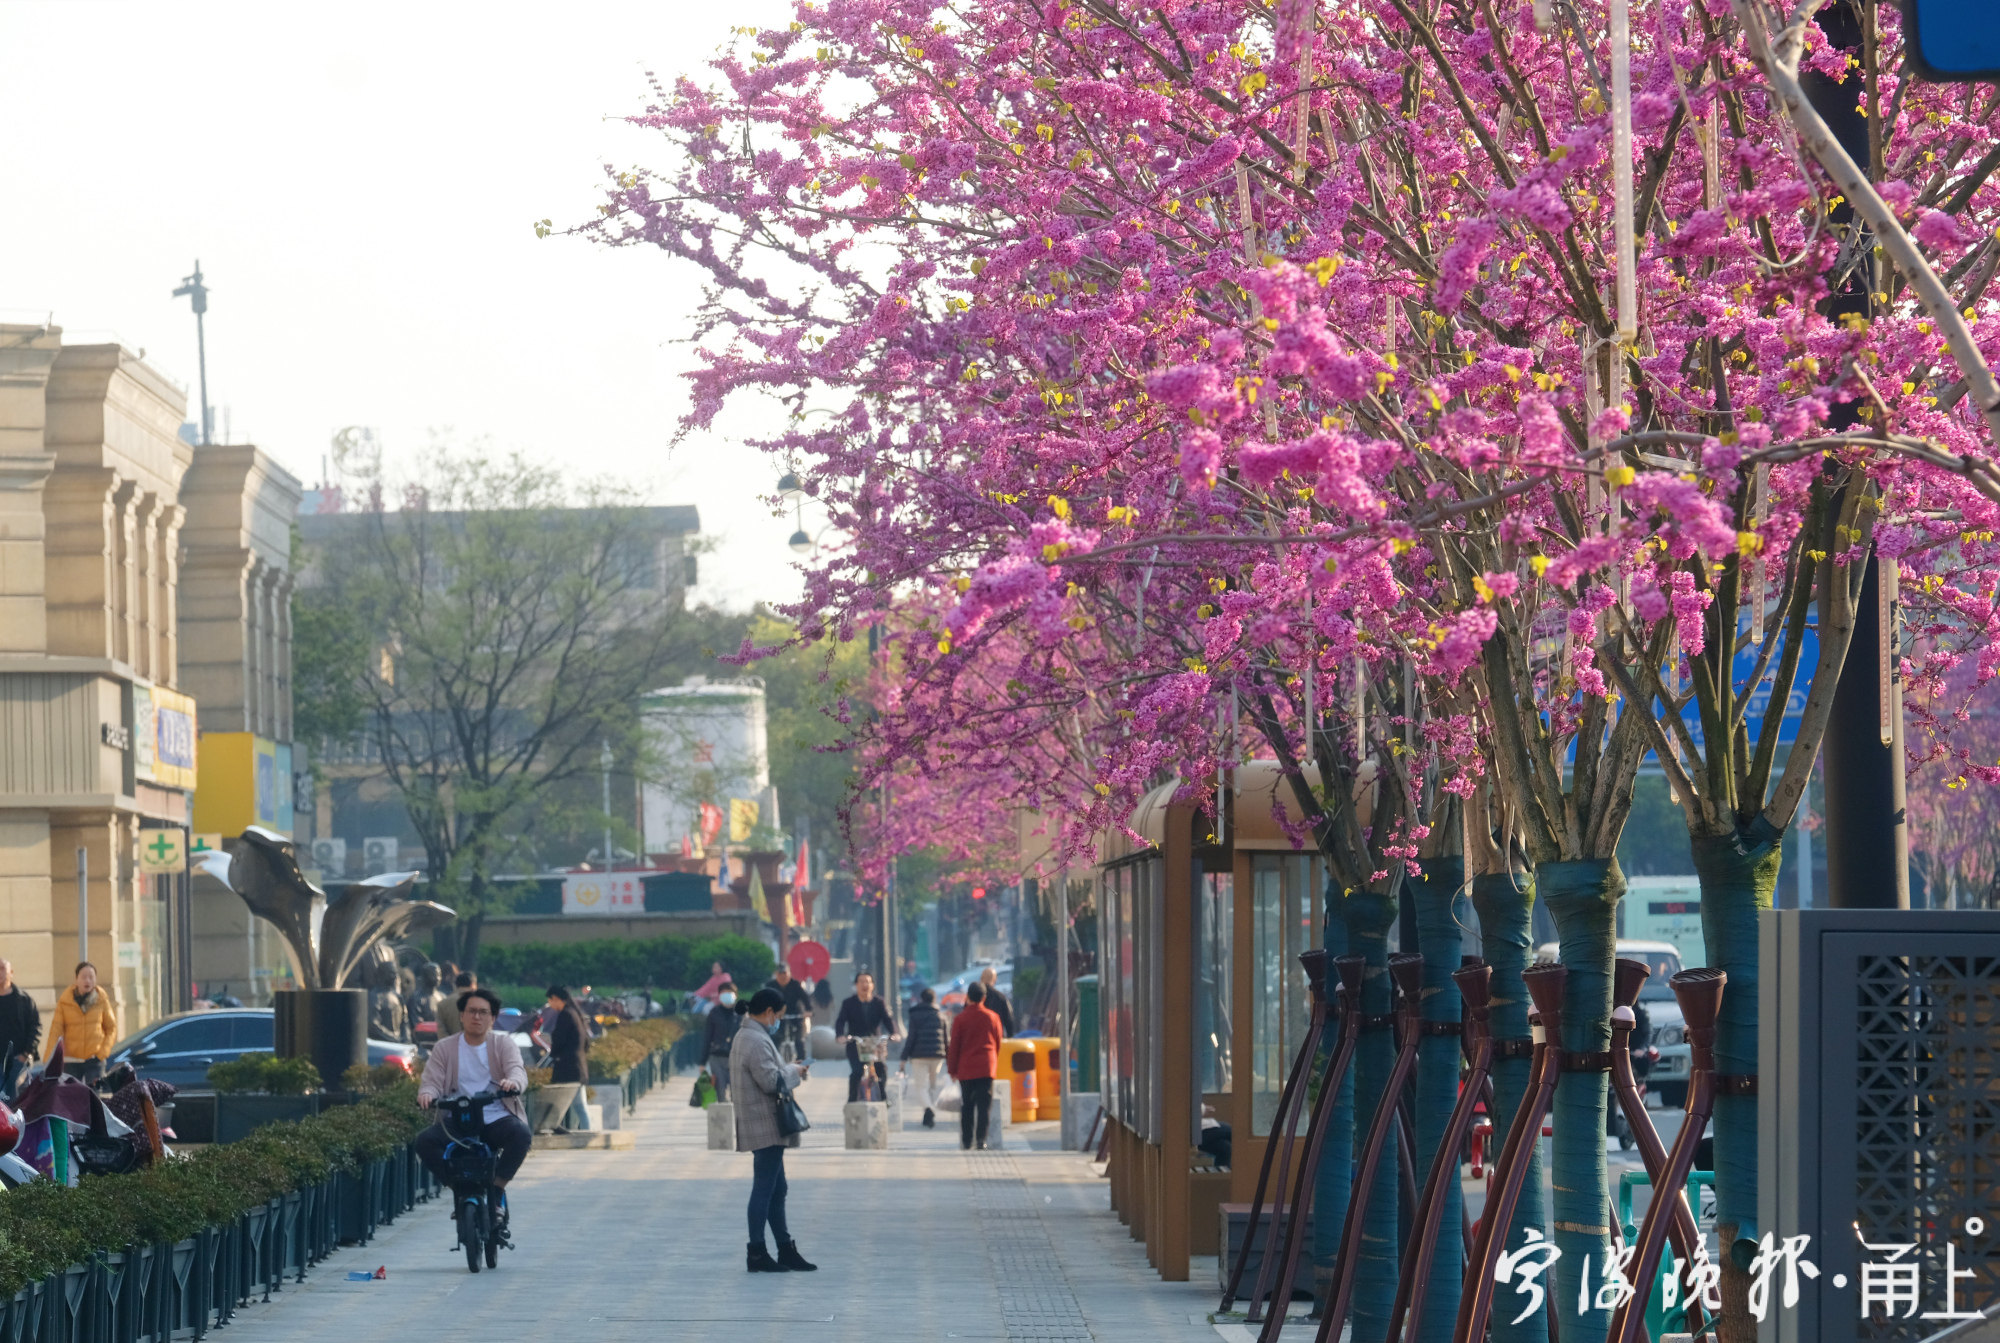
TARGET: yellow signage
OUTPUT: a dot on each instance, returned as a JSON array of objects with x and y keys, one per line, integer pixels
[
  {"x": 163, "y": 736},
  {"x": 246, "y": 780},
  {"x": 742, "y": 819}
]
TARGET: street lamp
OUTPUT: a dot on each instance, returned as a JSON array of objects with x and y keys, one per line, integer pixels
[
  {"x": 790, "y": 491},
  {"x": 800, "y": 543},
  {"x": 604, "y": 763}
]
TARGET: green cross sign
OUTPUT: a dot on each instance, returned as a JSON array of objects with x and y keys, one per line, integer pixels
[{"x": 162, "y": 851}]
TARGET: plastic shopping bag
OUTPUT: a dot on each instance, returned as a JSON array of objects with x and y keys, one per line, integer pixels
[
  {"x": 948, "y": 1098},
  {"x": 704, "y": 1091}
]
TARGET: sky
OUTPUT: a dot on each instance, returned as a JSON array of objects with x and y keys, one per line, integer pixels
[{"x": 360, "y": 184}]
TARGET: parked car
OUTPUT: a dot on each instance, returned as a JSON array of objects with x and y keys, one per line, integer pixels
[
  {"x": 180, "y": 1049},
  {"x": 1670, "y": 1075}
]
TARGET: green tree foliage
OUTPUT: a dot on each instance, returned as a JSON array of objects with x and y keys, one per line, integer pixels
[{"x": 512, "y": 621}]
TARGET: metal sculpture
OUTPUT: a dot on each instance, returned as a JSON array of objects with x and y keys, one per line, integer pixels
[
  {"x": 1291, "y": 1104},
  {"x": 329, "y": 935}
]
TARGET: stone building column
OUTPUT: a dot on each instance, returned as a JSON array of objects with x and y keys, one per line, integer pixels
[
  {"x": 169, "y": 584},
  {"x": 26, "y": 356},
  {"x": 80, "y": 545}
]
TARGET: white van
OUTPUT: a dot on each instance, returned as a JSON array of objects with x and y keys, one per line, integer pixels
[{"x": 1670, "y": 1075}]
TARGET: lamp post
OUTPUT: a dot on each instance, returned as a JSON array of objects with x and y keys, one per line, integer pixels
[{"x": 604, "y": 762}]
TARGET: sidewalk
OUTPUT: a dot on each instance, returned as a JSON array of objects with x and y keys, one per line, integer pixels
[{"x": 920, "y": 1242}]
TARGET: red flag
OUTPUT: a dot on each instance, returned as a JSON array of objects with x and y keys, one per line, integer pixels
[
  {"x": 711, "y": 823},
  {"x": 687, "y": 846}
]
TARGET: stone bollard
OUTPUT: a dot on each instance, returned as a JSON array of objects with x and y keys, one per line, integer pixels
[
  {"x": 1003, "y": 1106},
  {"x": 867, "y": 1125},
  {"x": 609, "y": 1097},
  {"x": 896, "y": 1088},
  {"x": 722, "y": 1127}
]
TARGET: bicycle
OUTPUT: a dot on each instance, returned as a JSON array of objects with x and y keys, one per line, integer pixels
[{"x": 470, "y": 1165}]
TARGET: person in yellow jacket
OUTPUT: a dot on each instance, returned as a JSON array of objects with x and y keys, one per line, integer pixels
[{"x": 85, "y": 1024}]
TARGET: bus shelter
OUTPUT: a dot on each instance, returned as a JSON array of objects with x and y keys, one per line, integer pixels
[{"x": 1202, "y": 1001}]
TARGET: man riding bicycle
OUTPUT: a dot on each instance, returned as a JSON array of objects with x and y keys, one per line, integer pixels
[
  {"x": 477, "y": 1060},
  {"x": 798, "y": 1008}
]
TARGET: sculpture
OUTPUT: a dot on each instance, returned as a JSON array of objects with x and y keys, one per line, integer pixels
[
  {"x": 387, "y": 1017},
  {"x": 424, "y": 1002},
  {"x": 329, "y": 935}
]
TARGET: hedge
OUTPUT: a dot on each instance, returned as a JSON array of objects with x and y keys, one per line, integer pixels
[
  {"x": 665, "y": 963},
  {"x": 46, "y": 1227},
  {"x": 622, "y": 1048}
]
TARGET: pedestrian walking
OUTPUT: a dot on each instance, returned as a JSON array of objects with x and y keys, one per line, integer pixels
[
  {"x": 863, "y": 1017},
  {"x": 761, "y": 1079},
  {"x": 722, "y": 1025},
  {"x": 85, "y": 1024},
  {"x": 996, "y": 1001},
  {"x": 569, "y": 1038},
  {"x": 973, "y": 1057},
  {"x": 20, "y": 1031},
  {"x": 926, "y": 1047}
]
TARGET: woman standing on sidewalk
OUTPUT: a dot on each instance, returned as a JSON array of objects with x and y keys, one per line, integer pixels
[
  {"x": 758, "y": 1077},
  {"x": 85, "y": 1026}
]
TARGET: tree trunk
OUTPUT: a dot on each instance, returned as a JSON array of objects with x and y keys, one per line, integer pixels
[
  {"x": 1440, "y": 908},
  {"x": 1505, "y": 905},
  {"x": 1335, "y": 1180},
  {"x": 1370, "y": 916},
  {"x": 469, "y": 927},
  {"x": 1583, "y": 897},
  {"x": 1739, "y": 873}
]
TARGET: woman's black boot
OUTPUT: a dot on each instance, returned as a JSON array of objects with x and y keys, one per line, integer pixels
[
  {"x": 790, "y": 1258},
  {"x": 760, "y": 1260}
]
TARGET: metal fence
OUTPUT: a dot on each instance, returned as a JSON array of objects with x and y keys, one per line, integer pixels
[{"x": 1879, "y": 1117}]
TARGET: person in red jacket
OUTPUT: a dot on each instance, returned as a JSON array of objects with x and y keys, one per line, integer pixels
[{"x": 972, "y": 1057}]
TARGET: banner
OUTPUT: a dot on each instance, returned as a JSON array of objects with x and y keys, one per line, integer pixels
[
  {"x": 711, "y": 823},
  {"x": 742, "y": 819},
  {"x": 604, "y": 893},
  {"x": 163, "y": 736}
]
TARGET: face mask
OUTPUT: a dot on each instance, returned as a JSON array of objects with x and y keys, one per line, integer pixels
[
  {"x": 773, "y": 1029},
  {"x": 729, "y": 1000}
]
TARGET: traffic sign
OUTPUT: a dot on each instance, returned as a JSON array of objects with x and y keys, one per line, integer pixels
[
  {"x": 162, "y": 852},
  {"x": 1953, "y": 41},
  {"x": 808, "y": 960},
  {"x": 205, "y": 842}
]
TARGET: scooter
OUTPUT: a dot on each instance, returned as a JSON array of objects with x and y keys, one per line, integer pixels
[{"x": 471, "y": 1163}]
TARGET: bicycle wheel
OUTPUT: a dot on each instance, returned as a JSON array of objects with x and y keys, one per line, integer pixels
[
  {"x": 471, "y": 1230},
  {"x": 492, "y": 1236}
]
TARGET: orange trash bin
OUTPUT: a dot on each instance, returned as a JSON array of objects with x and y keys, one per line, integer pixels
[
  {"x": 1048, "y": 1075},
  {"x": 1017, "y": 1065}
]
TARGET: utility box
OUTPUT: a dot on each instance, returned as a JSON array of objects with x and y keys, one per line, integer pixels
[{"x": 1878, "y": 1071}]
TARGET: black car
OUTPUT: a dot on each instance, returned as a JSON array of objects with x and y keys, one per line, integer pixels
[{"x": 179, "y": 1049}]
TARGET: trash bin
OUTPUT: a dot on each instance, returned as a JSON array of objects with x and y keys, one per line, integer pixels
[
  {"x": 1048, "y": 1076},
  {"x": 1083, "y": 1058},
  {"x": 1017, "y": 1065}
]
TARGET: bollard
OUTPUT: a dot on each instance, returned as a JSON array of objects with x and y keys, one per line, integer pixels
[
  {"x": 1630, "y": 977},
  {"x": 1700, "y": 995},
  {"x": 1291, "y": 1103},
  {"x": 1407, "y": 969},
  {"x": 866, "y": 1125},
  {"x": 722, "y": 1127},
  {"x": 1475, "y": 1308},
  {"x": 1350, "y": 969},
  {"x": 1003, "y": 1106},
  {"x": 1475, "y": 987}
]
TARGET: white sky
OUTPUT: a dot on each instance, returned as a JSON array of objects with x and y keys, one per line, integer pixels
[{"x": 360, "y": 183}]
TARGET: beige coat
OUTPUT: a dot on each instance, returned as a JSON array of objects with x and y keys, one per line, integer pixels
[{"x": 503, "y": 1060}]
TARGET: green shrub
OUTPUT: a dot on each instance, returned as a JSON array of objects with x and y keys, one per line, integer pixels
[
  {"x": 370, "y": 1081},
  {"x": 266, "y": 1073},
  {"x": 660, "y": 963},
  {"x": 45, "y": 1227},
  {"x": 622, "y": 1048}
]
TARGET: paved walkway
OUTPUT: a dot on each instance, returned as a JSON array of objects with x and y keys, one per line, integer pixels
[{"x": 921, "y": 1242}]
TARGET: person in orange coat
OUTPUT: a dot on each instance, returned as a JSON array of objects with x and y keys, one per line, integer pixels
[
  {"x": 85, "y": 1024},
  {"x": 972, "y": 1057}
]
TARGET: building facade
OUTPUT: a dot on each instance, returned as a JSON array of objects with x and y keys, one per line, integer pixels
[{"x": 107, "y": 646}]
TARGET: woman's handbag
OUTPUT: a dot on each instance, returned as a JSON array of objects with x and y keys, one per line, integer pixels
[
  {"x": 704, "y": 1091},
  {"x": 792, "y": 1119}
]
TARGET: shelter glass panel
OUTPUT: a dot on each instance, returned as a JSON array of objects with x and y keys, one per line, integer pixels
[
  {"x": 1285, "y": 921},
  {"x": 1215, "y": 923}
]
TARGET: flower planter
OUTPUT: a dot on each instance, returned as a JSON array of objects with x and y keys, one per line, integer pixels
[
  {"x": 548, "y": 1104},
  {"x": 237, "y": 1115}
]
